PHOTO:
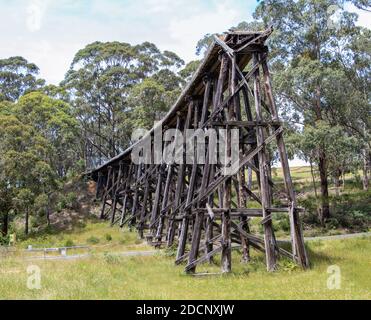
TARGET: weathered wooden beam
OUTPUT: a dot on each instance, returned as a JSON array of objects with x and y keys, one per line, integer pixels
[
  {"x": 180, "y": 181},
  {"x": 269, "y": 239},
  {"x": 192, "y": 181},
  {"x": 105, "y": 194},
  {"x": 116, "y": 193},
  {"x": 156, "y": 209},
  {"x": 297, "y": 238},
  {"x": 247, "y": 124}
]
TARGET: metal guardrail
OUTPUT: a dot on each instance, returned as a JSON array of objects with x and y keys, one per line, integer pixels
[
  {"x": 33, "y": 249},
  {"x": 62, "y": 251}
]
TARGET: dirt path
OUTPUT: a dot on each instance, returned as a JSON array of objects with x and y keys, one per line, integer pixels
[
  {"x": 339, "y": 236},
  {"x": 87, "y": 255},
  {"x": 153, "y": 252},
  {"x": 335, "y": 237}
]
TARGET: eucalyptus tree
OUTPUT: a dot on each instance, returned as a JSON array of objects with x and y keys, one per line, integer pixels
[
  {"x": 100, "y": 80},
  {"x": 53, "y": 120},
  {"x": 38, "y": 135},
  {"x": 17, "y": 77},
  {"x": 308, "y": 77},
  {"x": 190, "y": 68}
]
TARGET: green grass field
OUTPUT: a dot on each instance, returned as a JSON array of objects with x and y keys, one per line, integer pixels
[{"x": 106, "y": 275}]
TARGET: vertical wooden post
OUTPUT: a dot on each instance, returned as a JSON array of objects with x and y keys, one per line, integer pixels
[
  {"x": 226, "y": 220},
  {"x": 164, "y": 203},
  {"x": 297, "y": 238},
  {"x": 156, "y": 203},
  {"x": 126, "y": 195},
  {"x": 98, "y": 185},
  {"x": 241, "y": 199},
  {"x": 270, "y": 245},
  {"x": 180, "y": 182},
  {"x": 105, "y": 194},
  {"x": 185, "y": 222},
  {"x": 115, "y": 191},
  {"x": 144, "y": 207},
  {"x": 135, "y": 198}
]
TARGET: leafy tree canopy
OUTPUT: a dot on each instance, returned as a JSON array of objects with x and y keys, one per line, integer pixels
[{"x": 17, "y": 77}]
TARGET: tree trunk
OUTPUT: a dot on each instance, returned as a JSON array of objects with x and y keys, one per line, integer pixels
[
  {"x": 337, "y": 175},
  {"x": 313, "y": 180},
  {"x": 48, "y": 211},
  {"x": 26, "y": 222},
  {"x": 343, "y": 178},
  {"x": 366, "y": 167},
  {"x": 319, "y": 210},
  {"x": 325, "y": 207},
  {"x": 322, "y": 163},
  {"x": 4, "y": 228}
]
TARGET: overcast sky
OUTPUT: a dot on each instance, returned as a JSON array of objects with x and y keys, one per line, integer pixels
[{"x": 50, "y": 32}]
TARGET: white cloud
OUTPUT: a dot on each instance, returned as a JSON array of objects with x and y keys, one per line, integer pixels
[
  {"x": 34, "y": 14},
  {"x": 363, "y": 16},
  {"x": 185, "y": 32}
]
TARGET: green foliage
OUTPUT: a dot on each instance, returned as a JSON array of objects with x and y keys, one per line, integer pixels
[
  {"x": 17, "y": 77},
  {"x": 288, "y": 265},
  {"x": 41, "y": 202},
  {"x": 69, "y": 243},
  {"x": 170, "y": 251},
  {"x": 321, "y": 79},
  {"x": 108, "y": 237},
  {"x": 4, "y": 239},
  {"x": 187, "y": 72},
  {"x": 349, "y": 211},
  {"x": 343, "y": 150},
  {"x": 105, "y": 83},
  {"x": 71, "y": 201},
  {"x": 284, "y": 223},
  {"x": 93, "y": 240},
  {"x": 38, "y": 135}
]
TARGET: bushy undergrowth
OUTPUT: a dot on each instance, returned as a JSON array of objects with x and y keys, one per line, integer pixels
[
  {"x": 4, "y": 240},
  {"x": 68, "y": 201},
  {"x": 349, "y": 210},
  {"x": 93, "y": 240}
]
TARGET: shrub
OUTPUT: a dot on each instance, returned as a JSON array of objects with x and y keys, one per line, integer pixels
[
  {"x": 71, "y": 201},
  {"x": 69, "y": 243},
  {"x": 61, "y": 204},
  {"x": 93, "y": 240},
  {"x": 288, "y": 265},
  {"x": 284, "y": 224},
  {"x": 68, "y": 201},
  {"x": 111, "y": 259},
  {"x": 170, "y": 251},
  {"x": 332, "y": 223},
  {"x": 4, "y": 240},
  {"x": 108, "y": 237}
]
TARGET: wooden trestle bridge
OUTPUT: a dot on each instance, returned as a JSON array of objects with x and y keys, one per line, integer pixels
[{"x": 194, "y": 206}]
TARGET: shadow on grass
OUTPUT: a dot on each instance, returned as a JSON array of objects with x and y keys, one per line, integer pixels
[{"x": 315, "y": 256}]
